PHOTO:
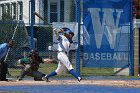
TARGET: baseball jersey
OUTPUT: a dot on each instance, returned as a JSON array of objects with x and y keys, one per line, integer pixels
[
  {"x": 63, "y": 44},
  {"x": 3, "y": 50}
]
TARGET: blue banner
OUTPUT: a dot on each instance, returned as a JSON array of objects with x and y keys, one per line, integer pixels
[{"x": 106, "y": 41}]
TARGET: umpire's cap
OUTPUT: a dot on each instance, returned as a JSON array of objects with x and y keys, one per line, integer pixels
[{"x": 10, "y": 42}]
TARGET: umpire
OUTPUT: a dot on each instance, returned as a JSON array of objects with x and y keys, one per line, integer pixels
[
  {"x": 31, "y": 66},
  {"x": 3, "y": 52}
]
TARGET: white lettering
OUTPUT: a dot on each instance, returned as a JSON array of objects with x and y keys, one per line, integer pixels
[
  {"x": 105, "y": 24},
  {"x": 86, "y": 56},
  {"x": 106, "y": 56},
  {"x": 97, "y": 56},
  {"x": 103, "y": 56},
  {"x": 115, "y": 57},
  {"x": 92, "y": 56}
]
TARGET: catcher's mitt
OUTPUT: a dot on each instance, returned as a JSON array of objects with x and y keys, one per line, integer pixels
[{"x": 47, "y": 61}]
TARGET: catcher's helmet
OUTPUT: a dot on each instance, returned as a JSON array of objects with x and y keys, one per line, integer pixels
[{"x": 33, "y": 53}]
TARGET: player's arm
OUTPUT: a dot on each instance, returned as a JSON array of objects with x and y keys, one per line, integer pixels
[
  {"x": 49, "y": 61},
  {"x": 23, "y": 61},
  {"x": 58, "y": 32}
]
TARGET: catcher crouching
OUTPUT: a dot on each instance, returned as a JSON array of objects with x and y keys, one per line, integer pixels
[{"x": 31, "y": 65}]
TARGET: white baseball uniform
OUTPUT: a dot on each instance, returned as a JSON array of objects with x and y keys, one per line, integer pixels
[{"x": 63, "y": 50}]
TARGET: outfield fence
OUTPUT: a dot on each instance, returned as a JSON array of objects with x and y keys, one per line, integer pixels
[{"x": 102, "y": 42}]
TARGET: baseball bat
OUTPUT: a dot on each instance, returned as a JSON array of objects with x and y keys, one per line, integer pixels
[
  {"x": 39, "y": 16},
  {"x": 12, "y": 39}
]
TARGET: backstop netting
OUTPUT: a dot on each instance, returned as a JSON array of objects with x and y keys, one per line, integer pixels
[
  {"x": 15, "y": 30},
  {"x": 105, "y": 33}
]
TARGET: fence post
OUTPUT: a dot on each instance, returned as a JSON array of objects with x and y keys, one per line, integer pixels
[
  {"x": 131, "y": 42},
  {"x": 32, "y": 23},
  {"x": 78, "y": 18}
]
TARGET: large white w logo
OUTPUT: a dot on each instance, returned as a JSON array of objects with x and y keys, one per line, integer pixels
[{"x": 104, "y": 23}]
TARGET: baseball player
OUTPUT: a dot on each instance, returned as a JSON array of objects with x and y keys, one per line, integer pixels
[
  {"x": 31, "y": 66},
  {"x": 64, "y": 36},
  {"x": 3, "y": 66}
]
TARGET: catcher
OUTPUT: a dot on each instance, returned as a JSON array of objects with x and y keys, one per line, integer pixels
[{"x": 31, "y": 66}]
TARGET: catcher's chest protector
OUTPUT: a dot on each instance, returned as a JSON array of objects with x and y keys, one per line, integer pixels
[{"x": 34, "y": 65}]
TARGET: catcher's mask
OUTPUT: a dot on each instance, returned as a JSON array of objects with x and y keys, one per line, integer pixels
[{"x": 33, "y": 53}]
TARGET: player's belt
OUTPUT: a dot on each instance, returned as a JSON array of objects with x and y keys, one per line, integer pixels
[{"x": 62, "y": 51}]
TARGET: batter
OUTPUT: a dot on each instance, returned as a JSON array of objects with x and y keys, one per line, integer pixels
[{"x": 65, "y": 36}]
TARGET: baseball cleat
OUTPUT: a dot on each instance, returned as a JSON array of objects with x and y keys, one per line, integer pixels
[
  {"x": 45, "y": 79},
  {"x": 18, "y": 79},
  {"x": 79, "y": 79}
]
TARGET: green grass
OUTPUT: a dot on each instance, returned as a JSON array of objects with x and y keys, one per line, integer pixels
[
  {"x": 44, "y": 68},
  {"x": 85, "y": 72},
  {"x": 47, "y": 68},
  {"x": 96, "y": 71},
  {"x": 14, "y": 72}
]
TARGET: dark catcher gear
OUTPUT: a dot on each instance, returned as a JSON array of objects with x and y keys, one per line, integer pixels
[{"x": 31, "y": 66}]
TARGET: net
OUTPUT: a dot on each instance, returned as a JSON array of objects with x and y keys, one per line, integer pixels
[{"x": 17, "y": 31}]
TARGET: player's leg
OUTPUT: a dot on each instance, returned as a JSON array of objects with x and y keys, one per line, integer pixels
[
  {"x": 75, "y": 75},
  {"x": 24, "y": 72},
  {"x": 3, "y": 70},
  {"x": 66, "y": 62},
  {"x": 37, "y": 75},
  {"x": 57, "y": 71}
]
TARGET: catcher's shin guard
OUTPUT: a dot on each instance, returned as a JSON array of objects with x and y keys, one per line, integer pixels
[{"x": 37, "y": 75}]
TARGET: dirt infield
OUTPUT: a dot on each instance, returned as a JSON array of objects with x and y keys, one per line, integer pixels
[{"x": 118, "y": 83}]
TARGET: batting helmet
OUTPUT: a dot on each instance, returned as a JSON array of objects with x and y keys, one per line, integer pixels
[
  {"x": 71, "y": 33},
  {"x": 66, "y": 30}
]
